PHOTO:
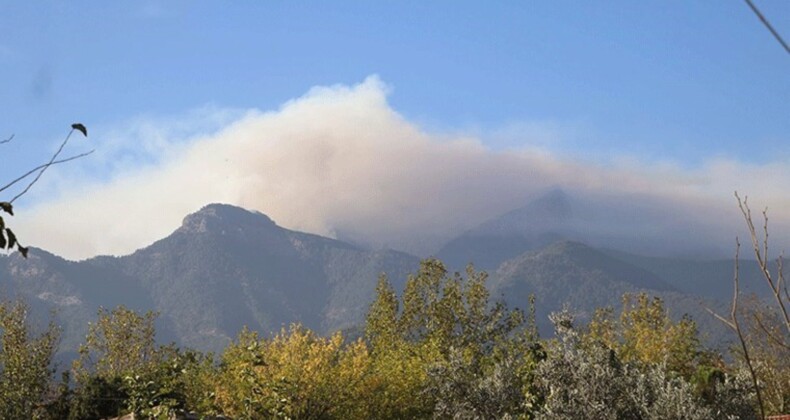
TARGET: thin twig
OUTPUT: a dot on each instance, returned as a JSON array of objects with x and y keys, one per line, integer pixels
[
  {"x": 44, "y": 168},
  {"x": 11, "y": 137},
  {"x": 782, "y": 282},
  {"x": 762, "y": 259},
  {"x": 765, "y": 233},
  {"x": 769, "y": 333},
  {"x": 28, "y": 173},
  {"x": 719, "y": 317}
]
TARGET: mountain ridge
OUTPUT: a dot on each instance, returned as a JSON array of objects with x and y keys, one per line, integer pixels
[
  {"x": 226, "y": 267},
  {"x": 222, "y": 269}
]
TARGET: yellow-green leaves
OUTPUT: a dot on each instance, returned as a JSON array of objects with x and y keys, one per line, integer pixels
[
  {"x": 297, "y": 374},
  {"x": 25, "y": 363},
  {"x": 120, "y": 343},
  {"x": 646, "y": 334}
]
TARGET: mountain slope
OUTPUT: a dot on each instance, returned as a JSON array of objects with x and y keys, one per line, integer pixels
[
  {"x": 627, "y": 223},
  {"x": 72, "y": 291},
  {"x": 584, "y": 278},
  {"x": 224, "y": 268},
  {"x": 705, "y": 278}
]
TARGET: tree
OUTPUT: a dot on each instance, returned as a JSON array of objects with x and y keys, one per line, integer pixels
[
  {"x": 446, "y": 350},
  {"x": 763, "y": 330},
  {"x": 588, "y": 379},
  {"x": 120, "y": 357},
  {"x": 645, "y": 333},
  {"x": 121, "y": 342},
  {"x": 25, "y": 363},
  {"x": 297, "y": 375}
]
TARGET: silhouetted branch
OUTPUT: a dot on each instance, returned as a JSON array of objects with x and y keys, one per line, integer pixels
[
  {"x": 46, "y": 166},
  {"x": 11, "y": 137},
  {"x": 768, "y": 25},
  {"x": 30, "y": 172},
  {"x": 8, "y": 239}
]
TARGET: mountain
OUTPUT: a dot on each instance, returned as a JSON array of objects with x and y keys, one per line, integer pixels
[
  {"x": 572, "y": 274},
  {"x": 709, "y": 278},
  {"x": 71, "y": 291},
  {"x": 631, "y": 223},
  {"x": 224, "y": 268},
  {"x": 531, "y": 227}
]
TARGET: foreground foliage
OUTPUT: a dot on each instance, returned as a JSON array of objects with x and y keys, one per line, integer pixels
[{"x": 440, "y": 350}]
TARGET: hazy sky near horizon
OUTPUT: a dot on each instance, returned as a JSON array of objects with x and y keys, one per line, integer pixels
[{"x": 686, "y": 99}]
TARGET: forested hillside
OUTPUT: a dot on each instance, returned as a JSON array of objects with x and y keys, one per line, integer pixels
[{"x": 443, "y": 349}]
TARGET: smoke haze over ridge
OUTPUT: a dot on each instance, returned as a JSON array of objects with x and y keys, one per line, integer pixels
[{"x": 340, "y": 161}]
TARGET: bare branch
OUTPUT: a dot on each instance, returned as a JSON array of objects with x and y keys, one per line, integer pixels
[
  {"x": 736, "y": 278},
  {"x": 45, "y": 167},
  {"x": 765, "y": 233},
  {"x": 719, "y": 317},
  {"x": 782, "y": 283},
  {"x": 11, "y": 137},
  {"x": 769, "y": 334},
  {"x": 736, "y": 324},
  {"x": 761, "y": 253},
  {"x": 30, "y": 172}
]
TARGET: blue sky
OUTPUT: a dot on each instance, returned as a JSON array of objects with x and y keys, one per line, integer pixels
[{"x": 674, "y": 82}]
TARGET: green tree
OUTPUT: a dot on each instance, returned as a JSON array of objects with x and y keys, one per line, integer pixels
[
  {"x": 25, "y": 363},
  {"x": 646, "y": 334},
  {"x": 121, "y": 342},
  {"x": 296, "y": 375},
  {"x": 120, "y": 357},
  {"x": 449, "y": 351}
]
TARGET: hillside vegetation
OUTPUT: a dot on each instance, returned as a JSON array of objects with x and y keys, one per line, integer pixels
[{"x": 442, "y": 349}]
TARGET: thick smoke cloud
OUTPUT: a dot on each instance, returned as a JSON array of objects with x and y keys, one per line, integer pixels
[{"x": 339, "y": 161}]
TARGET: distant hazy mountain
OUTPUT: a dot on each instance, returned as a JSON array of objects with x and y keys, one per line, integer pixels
[
  {"x": 224, "y": 268},
  {"x": 583, "y": 278},
  {"x": 709, "y": 278},
  {"x": 633, "y": 224}
]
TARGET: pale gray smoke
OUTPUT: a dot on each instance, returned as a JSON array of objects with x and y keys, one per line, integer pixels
[{"x": 339, "y": 161}]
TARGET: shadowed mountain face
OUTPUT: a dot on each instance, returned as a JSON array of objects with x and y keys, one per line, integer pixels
[
  {"x": 583, "y": 278},
  {"x": 632, "y": 224},
  {"x": 573, "y": 274},
  {"x": 73, "y": 290},
  {"x": 224, "y": 268}
]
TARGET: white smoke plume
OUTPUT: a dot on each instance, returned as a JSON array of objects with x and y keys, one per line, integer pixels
[{"x": 339, "y": 161}]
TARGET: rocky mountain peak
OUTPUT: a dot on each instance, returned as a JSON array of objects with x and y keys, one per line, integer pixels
[{"x": 222, "y": 217}]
